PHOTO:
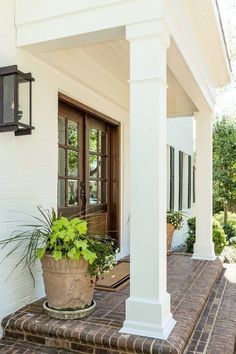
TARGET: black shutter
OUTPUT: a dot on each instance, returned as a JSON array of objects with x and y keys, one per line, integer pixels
[
  {"x": 189, "y": 181},
  {"x": 172, "y": 178},
  {"x": 181, "y": 156},
  {"x": 194, "y": 188}
]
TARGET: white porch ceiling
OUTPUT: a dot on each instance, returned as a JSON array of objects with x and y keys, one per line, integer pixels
[{"x": 104, "y": 67}]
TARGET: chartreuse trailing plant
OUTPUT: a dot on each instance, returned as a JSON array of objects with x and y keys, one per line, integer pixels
[{"x": 63, "y": 238}]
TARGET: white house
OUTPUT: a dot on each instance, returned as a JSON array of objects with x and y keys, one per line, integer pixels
[{"x": 111, "y": 79}]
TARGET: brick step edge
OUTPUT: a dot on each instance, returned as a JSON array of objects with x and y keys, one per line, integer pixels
[
  {"x": 13, "y": 346},
  {"x": 215, "y": 331}
]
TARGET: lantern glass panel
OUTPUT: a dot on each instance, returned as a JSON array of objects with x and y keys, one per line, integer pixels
[
  {"x": 8, "y": 99},
  {"x": 23, "y": 112}
]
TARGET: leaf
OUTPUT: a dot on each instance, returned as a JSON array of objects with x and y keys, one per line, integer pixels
[
  {"x": 70, "y": 235},
  {"x": 61, "y": 234},
  {"x": 89, "y": 255},
  {"x": 83, "y": 244},
  {"x": 53, "y": 239},
  {"x": 60, "y": 224},
  {"x": 81, "y": 227},
  {"x": 74, "y": 253},
  {"x": 57, "y": 255},
  {"x": 41, "y": 252}
]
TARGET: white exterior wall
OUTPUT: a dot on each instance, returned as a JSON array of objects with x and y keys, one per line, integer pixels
[
  {"x": 180, "y": 135},
  {"x": 28, "y": 173}
]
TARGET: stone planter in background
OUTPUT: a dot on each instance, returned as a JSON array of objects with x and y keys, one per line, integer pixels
[{"x": 170, "y": 233}]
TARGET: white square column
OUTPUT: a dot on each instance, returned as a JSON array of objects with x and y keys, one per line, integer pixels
[
  {"x": 204, "y": 246},
  {"x": 148, "y": 307}
]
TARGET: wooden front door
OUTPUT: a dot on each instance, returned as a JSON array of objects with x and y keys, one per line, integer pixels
[{"x": 88, "y": 173}]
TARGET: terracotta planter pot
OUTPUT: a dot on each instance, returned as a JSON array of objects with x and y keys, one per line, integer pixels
[
  {"x": 170, "y": 233},
  {"x": 68, "y": 284}
]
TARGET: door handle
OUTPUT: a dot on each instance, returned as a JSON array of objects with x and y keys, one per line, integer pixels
[{"x": 82, "y": 191}]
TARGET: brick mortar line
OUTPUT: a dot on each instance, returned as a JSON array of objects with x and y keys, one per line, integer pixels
[
  {"x": 182, "y": 347},
  {"x": 204, "y": 308},
  {"x": 193, "y": 284},
  {"x": 217, "y": 312},
  {"x": 192, "y": 276},
  {"x": 230, "y": 319}
]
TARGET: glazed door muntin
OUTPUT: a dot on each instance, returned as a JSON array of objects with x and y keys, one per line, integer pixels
[{"x": 84, "y": 167}]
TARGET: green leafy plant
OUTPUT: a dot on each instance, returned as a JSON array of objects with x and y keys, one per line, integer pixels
[
  {"x": 230, "y": 227},
  {"x": 61, "y": 238},
  {"x": 224, "y": 166},
  {"x": 218, "y": 236},
  {"x": 191, "y": 235},
  {"x": 175, "y": 218},
  {"x": 230, "y": 230}
]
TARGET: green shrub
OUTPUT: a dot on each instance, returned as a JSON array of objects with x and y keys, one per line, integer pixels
[
  {"x": 219, "y": 237},
  {"x": 230, "y": 227},
  {"x": 220, "y": 217},
  {"x": 230, "y": 230},
  {"x": 191, "y": 235}
]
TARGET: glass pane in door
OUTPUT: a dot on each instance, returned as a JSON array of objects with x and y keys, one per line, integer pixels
[
  {"x": 93, "y": 140},
  {"x": 93, "y": 189},
  {"x": 72, "y": 194},
  {"x": 72, "y": 163},
  {"x": 97, "y": 166},
  {"x": 72, "y": 133}
]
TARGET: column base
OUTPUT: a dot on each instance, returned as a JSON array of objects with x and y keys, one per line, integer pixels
[
  {"x": 205, "y": 252},
  {"x": 148, "y": 319}
]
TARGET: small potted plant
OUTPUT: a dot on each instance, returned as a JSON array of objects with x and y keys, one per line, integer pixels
[
  {"x": 71, "y": 261},
  {"x": 174, "y": 221}
]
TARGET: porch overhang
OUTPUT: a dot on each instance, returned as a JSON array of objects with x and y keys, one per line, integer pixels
[{"x": 198, "y": 61}]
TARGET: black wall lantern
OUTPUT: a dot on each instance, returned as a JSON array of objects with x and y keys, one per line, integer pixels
[{"x": 15, "y": 101}]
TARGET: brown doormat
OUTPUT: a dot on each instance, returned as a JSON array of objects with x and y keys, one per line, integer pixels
[{"x": 115, "y": 279}]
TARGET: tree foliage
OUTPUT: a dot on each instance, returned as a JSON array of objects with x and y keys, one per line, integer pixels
[{"x": 224, "y": 164}]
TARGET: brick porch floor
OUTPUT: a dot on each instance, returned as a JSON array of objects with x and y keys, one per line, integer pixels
[
  {"x": 189, "y": 282},
  {"x": 215, "y": 332}
]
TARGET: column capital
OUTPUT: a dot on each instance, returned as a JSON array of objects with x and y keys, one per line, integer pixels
[
  {"x": 149, "y": 29},
  {"x": 149, "y": 41}
]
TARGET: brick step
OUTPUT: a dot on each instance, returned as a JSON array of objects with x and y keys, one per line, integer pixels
[
  {"x": 32, "y": 326},
  {"x": 215, "y": 332},
  {"x": 99, "y": 333},
  {"x": 14, "y": 346}
]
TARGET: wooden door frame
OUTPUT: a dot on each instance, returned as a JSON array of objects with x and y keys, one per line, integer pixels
[{"x": 115, "y": 168}]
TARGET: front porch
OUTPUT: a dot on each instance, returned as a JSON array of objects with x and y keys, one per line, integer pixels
[
  {"x": 188, "y": 281},
  {"x": 137, "y": 69}
]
